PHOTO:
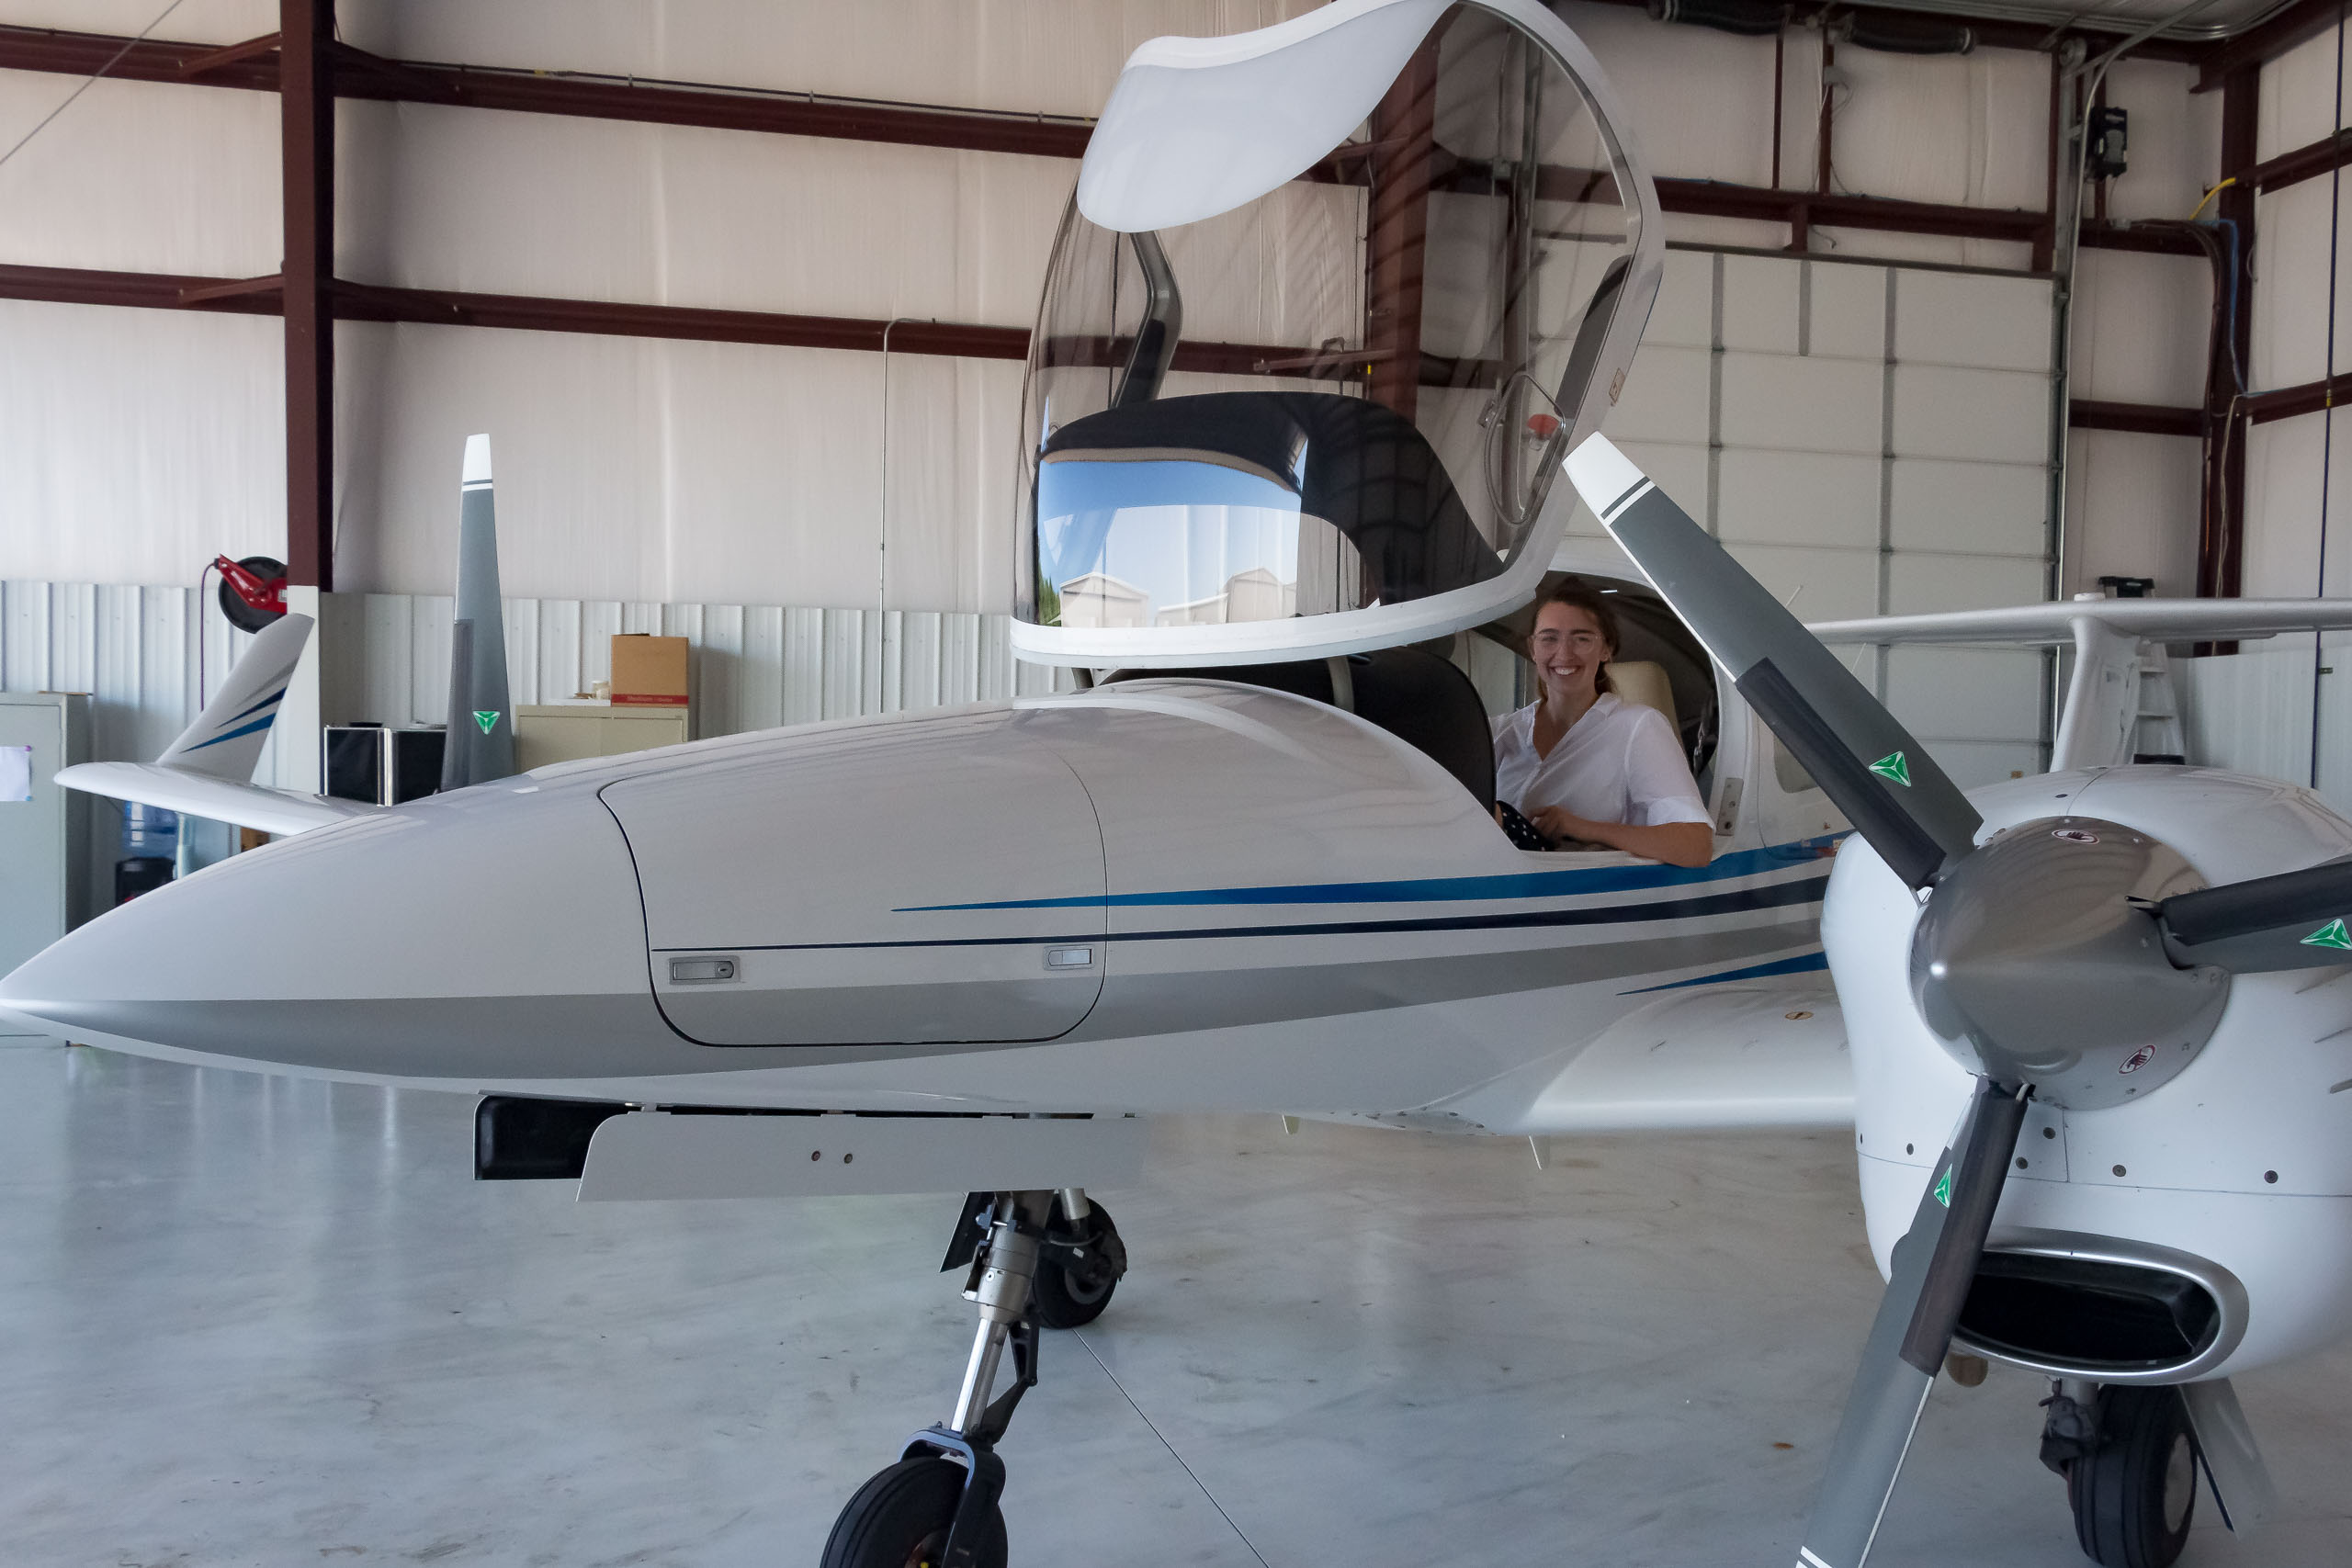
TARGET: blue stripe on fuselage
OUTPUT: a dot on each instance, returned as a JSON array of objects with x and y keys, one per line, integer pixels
[
  {"x": 1801, "y": 965},
  {"x": 1441, "y": 889}
]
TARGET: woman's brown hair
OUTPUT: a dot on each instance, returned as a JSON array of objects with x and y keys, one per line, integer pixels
[{"x": 1575, "y": 594}]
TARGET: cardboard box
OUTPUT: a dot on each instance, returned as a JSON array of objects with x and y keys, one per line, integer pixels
[{"x": 649, "y": 670}]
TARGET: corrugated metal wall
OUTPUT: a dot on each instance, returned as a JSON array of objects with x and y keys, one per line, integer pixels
[
  {"x": 754, "y": 665},
  {"x": 136, "y": 651},
  {"x": 2253, "y": 712}
]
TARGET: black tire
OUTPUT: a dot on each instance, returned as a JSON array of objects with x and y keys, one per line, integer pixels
[
  {"x": 2134, "y": 1494},
  {"x": 1071, "y": 1298},
  {"x": 899, "y": 1520}
]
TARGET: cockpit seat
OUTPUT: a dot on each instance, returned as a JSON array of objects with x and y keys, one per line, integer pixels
[
  {"x": 1419, "y": 698},
  {"x": 1643, "y": 681},
  {"x": 1429, "y": 703}
]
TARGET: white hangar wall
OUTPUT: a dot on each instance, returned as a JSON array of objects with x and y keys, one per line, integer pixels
[
  {"x": 2283, "y": 706},
  {"x": 686, "y": 472},
  {"x": 690, "y": 474}
]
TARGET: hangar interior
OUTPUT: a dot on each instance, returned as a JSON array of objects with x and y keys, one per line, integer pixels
[{"x": 743, "y": 293}]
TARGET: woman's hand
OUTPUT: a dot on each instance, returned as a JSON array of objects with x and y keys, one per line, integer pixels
[
  {"x": 1676, "y": 844},
  {"x": 1557, "y": 822}
]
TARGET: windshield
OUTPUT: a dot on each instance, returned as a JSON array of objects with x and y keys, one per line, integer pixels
[{"x": 1348, "y": 396}]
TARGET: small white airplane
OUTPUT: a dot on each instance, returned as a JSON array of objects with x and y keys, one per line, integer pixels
[{"x": 2089, "y": 1027}]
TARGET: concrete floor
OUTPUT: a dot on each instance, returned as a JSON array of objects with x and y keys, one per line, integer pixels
[{"x": 260, "y": 1321}]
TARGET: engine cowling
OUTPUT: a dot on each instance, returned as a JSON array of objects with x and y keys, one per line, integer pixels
[{"x": 2200, "y": 1226}]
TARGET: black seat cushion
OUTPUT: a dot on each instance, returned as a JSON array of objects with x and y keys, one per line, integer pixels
[{"x": 1429, "y": 703}]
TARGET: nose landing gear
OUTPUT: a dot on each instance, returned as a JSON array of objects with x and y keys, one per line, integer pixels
[
  {"x": 2131, "y": 1464},
  {"x": 1050, "y": 1258}
]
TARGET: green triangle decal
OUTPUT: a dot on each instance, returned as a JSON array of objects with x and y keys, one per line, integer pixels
[
  {"x": 1894, "y": 766},
  {"x": 489, "y": 721},
  {"x": 2332, "y": 935},
  {"x": 1944, "y": 1188}
]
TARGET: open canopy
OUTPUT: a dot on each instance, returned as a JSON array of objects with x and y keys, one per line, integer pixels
[{"x": 1331, "y": 301}]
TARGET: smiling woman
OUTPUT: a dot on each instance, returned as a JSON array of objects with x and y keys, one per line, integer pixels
[{"x": 1582, "y": 764}]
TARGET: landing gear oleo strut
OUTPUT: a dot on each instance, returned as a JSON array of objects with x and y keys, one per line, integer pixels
[{"x": 1047, "y": 1257}]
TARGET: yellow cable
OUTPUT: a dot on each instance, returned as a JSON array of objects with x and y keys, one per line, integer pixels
[{"x": 2212, "y": 194}]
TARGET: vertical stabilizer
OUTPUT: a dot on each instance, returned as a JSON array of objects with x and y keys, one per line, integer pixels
[
  {"x": 481, "y": 721},
  {"x": 226, "y": 739}
]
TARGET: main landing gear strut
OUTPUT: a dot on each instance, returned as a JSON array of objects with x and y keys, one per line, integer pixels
[{"x": 1042, "y": 1258}]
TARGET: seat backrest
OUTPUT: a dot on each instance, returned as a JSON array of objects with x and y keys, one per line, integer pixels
[
  {"x": 1643, "y": 681},
  {"x": 1429, "y": 703}
]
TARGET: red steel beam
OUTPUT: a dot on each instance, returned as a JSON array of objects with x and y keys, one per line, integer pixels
[
  {"x": 1404, "y": 124},
  {"x": 722, "y": 109},
  {"x": 434, "y": 307},
  {"x": 363, "y": 76},
  {"x": 2009, "y": 32},
  {"x": 2299, "y": 23},
  {"x": 306, "y": 140},
  {"x": 151, "y": 290},
  {"x": 2329, "y": 153},
  {"x": 359, "y": 74},
  {"x": 147, "y": 60},
  {"x": 2221, "y": 554},
  {"x": 369, "y": 302},
  {"x": 2286, "y": 402},
  {"x": 2135, "y": 419}
]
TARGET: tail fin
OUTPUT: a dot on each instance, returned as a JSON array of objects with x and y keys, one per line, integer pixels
[
  {"x": 207, "y": 772},
  {"x": 226, "y": 739},
  {"x": 481, "y": 744}
]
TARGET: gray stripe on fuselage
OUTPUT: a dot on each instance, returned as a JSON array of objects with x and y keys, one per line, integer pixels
[
  {"x": 1217, "y": 996},
  {"x": 625, "y": 1035}
]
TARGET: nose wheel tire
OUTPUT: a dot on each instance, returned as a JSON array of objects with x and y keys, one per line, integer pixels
[
  {"x": 1070, "y": 1295},
  {"x": 2132, "y": 1497},
  {"x": 899, "y": 1520}
]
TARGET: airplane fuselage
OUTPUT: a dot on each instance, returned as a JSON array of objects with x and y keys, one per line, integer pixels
[{"x": 1157, "y": 895}]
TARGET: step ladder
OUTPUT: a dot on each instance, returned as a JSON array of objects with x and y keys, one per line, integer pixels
[{"x": 2158, "y": 735}]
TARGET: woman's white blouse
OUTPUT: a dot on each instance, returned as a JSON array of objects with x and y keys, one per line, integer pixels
[{"x": 1621, "y": 763}]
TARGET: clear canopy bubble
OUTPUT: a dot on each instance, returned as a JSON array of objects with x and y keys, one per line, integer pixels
[{"x": 1332, "y": 416}]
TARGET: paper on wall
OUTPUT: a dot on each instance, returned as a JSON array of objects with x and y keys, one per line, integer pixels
[{"x": 16, "y": 773}]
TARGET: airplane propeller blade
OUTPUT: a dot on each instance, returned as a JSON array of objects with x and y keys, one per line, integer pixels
[
  {"x": 2294, "y": 921},
  {"x": 1898, "y": 799},
  {"x": 480, "y": 742},
  {"x": 1934, "y": 1263}
]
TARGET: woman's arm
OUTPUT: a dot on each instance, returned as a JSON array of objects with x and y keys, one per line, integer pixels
[{"x": 1676, "y": 844}]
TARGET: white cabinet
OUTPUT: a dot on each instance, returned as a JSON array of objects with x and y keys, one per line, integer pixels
[{"x": 44, "y": 888}]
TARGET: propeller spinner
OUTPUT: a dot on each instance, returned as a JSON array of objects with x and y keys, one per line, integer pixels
[{"x": 2071, "y": 960}]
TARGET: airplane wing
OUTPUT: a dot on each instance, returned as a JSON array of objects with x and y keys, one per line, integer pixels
[
  {"x": 1770, "y": 1053},
  {"x": 2155, "y": 620}
]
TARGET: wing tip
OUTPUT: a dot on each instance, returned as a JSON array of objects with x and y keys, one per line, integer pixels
[{"x": 476, "y": 468}]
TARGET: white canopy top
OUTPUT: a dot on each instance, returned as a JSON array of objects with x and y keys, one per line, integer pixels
[{"x": 1197, "y": 126}]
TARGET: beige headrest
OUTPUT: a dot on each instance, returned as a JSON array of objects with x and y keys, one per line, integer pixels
[{"x": 1644, "y": 682}]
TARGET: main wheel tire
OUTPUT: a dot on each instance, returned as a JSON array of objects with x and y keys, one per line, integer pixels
[
  {"x": 2134, "y": 1494},
  {"x": 899, "y": 1520},
  {"x": 1068, "y": 1298}
]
